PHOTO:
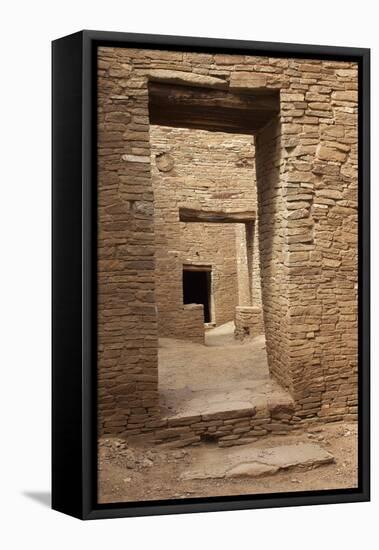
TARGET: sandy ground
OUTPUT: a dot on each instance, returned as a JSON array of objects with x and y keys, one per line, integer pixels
[
  {"x": 222, "y": 375},
  {"x": 140, "y": 471}
]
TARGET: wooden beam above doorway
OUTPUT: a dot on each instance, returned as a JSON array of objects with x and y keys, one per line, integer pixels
[
  {"x": 216, "y": 216},
  {"x": 211, "y": 109}
]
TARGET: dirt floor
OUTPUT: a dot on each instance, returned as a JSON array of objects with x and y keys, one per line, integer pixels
[
  {"x": 223, "y": 374},
  {"x": 141, "y": 471}
]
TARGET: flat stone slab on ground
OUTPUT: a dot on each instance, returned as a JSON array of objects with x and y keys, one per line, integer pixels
[{"x": 253, "y": 462}]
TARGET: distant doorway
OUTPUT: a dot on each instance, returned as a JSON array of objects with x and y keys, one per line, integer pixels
[{"x": 197, "y": 288}]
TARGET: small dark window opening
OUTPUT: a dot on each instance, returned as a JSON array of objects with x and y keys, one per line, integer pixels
[{"x": 197, "y": 290}]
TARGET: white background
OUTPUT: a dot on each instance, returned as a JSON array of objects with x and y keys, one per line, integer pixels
[{"x": 26, "y": 31}]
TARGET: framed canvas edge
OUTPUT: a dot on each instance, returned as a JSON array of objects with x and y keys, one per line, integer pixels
[{"x": 84, "y": 375}]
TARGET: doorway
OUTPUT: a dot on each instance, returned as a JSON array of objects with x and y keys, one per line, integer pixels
[{"x": 197, "y": 288}]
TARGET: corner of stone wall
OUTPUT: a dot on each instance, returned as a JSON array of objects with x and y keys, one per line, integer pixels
[
  {"x": 191, "y": 325},
  {"x": 270, "y": 166},
  {"x": 248, "y": 322}
]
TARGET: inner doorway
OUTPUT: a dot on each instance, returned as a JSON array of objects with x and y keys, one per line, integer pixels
[{"x": 197, "y": 283}]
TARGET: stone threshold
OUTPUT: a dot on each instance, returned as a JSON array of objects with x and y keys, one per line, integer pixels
[{"x": 225, "y": 427}]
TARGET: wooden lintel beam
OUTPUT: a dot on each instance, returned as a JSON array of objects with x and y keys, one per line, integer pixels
[
  {"x": 211, "y": 109},
  {"x": 197, "y": 267},
  {"x": 212, "y": 216},
  {"x": 189, "y": 96}
]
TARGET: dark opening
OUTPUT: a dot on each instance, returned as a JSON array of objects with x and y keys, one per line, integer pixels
[{"x": 197, "y": 290}]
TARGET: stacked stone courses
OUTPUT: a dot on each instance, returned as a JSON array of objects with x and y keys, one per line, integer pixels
[
  {"x": 197, "y": 168},
  {"x": 248, "y": 322},
  {"x": 306, "y": 179},
  {"x": 227, "y": 428}
]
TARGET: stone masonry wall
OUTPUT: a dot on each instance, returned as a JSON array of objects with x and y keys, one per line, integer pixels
[
  {"x": 308, "y": 256},
  {"x": 322, "y": 243},
  {"x": 316, "y": 258},
  {"x": 127, "y": 323},
  {"x": 204, "y": 170},
  {"x": 271, "y": 215},
  {"x": 191, "y": 323},
  {"x": 214, "y": 244},
  {"x": 248, "y": 322},
  {"x": 248, "y": 264}
]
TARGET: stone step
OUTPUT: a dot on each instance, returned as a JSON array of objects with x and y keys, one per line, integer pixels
[{"x": 227, "y": 427}]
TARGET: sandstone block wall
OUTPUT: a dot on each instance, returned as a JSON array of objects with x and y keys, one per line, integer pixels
[
  {"x": 191, "y": 323},
  {"x": 214, "y": 244},
  {"x": 310, "y": 271},
  {"x": 202, "y": 170},
  {"x": 248, "y": 264},
  {"x": 248, "y": 322},
  {"x": 127, "y": 323},
  {"x": 307, "y": 209},
  {"x": 272, "y": 246}
]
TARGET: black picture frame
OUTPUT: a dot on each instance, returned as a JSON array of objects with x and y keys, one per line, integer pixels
[{"x": 74, "y": 468}]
